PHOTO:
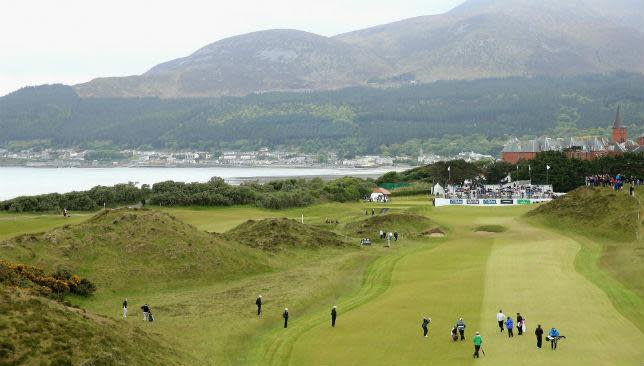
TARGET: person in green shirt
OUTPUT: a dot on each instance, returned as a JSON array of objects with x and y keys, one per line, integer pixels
[{"x": 478, "y": 341}]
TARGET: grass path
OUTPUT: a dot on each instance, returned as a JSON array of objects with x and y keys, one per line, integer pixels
[
  {"x": 532, "y": 271},
  {"x": 377, "y": 278},
  {"x": 12, "y": 224},
  {"x": 386, "y": 330}
]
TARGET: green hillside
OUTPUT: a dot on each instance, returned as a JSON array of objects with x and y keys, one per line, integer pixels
[
  {"x": 37, "y": 331},
  {"x": 130, "y": 248},
  {"x": 611, "y": 255},
  {"x": 594, "y": 212},
  {"x": 279, "y": 234},
  {"x": 403, "y": 223},
  {"x": 445, "y": 117}
]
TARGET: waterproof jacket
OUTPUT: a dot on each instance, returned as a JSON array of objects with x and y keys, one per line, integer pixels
[
  {"x": 460, "y": 325},
  {"x": 509, "y": 323},
  {"x": 538, "y": 332},
  {"x": 478, "y": 340},
  {"x": 258, "y": 302},
  {"x": 554, "y": 332},
  {"x": 285, "y": 315},
  {"x": 425, "y": 322}
]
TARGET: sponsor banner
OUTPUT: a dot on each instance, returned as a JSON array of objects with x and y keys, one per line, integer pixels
[{"x": 487, "y": 202}]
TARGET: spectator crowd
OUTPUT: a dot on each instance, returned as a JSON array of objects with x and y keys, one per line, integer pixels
[
  {"x": 616, "y": 182},
  {"x": 481, "y": 191}
]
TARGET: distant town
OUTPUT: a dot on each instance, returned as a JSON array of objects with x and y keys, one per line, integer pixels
[{"x": 78, "y": 158}]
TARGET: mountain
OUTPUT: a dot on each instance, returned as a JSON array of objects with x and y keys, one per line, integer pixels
[
  {"x": 501, "y": 38},
  {"x": 479, "y": 39},
  {"x": 273, "y": 60}
]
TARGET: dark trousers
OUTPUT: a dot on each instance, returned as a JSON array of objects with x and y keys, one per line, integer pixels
[
  {"x": 476, "y": 351},
  {"x": 425, "y": 330},
  {"x": 462, "y": 333},
  {"x": 501, "y": 325},
  {"x": 520, "y": 329},
  {"x": 510, "y": 333},
  {"x": 285, "y": 322},
  {"x": 333, "y": 321},
  {"x": 259, "y": 309},
  {"x": 553, "y": 343},
  {"x": 539, "y": 341}
]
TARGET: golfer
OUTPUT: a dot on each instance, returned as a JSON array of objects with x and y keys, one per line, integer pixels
[
  {"x": 554, "y": 337},
  {"x": 510, "y": 325},
  {"x": 258, "y": 302},
  {"x": 460, "y": 325},
  {"x": 539, "y": 333},
  {"x": 500, "y": 317},
  {"x": 426, "y": 321},
  {"x": 285, "y": 316},
  {"x": 334, "y": 314},
  {"x": 125, "y": 308},
  {"x": 146, "y": 311},
  {"x": 519, "y": 324},
  {"x": 478, "y": 341}
]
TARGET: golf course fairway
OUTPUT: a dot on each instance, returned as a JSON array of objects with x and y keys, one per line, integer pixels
[
  {"x": 448, "y": 263},
  {"x": 524, "y": 269}
]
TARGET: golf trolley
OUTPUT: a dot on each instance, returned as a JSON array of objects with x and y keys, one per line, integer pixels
[{"x": 554, "y": 340}]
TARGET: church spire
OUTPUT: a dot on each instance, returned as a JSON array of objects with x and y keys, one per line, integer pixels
[
  {"x": 619, "y": 131},
  {"x": 618, "y": 118}
]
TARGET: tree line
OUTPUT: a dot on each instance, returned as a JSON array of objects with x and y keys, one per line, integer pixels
[
  {"x": 565, "y": 174},
  {"x": 276, "y": 194}
]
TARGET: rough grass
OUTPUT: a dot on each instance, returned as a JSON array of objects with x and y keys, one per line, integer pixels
[
  {"x": 129, "y": 248},
  {"x": 403, "y": 223},
  {"x": 38, "y": 331},
  {"x": 380, "y": 302},
  {"x": 490, "y": 228},
  {"x": 278, "y": 234},
  {"x": 12, "y": 224},
  {"x": 598, "y": 212},
  {"x": 605, "y": 223}
]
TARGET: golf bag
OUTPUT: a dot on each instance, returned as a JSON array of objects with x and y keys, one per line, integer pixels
[
  {"x": 150, "y": 317},
  {"x": 549, "y": 338},
  {"x": 454, "y": 334}
]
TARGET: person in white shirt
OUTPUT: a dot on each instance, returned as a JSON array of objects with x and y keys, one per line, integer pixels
[{"x": 500, "y": 317}]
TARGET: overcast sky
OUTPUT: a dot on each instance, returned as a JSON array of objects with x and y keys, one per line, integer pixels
[{"x": 72, "y": 41}]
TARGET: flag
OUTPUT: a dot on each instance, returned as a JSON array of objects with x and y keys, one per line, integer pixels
[
  {"x": 449, "y": 168},
  {"x": 547, "y": 167},
  {"x": 529, "y": 168}
]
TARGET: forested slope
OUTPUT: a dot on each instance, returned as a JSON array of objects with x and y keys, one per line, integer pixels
[{"x": 444, "y": 117}]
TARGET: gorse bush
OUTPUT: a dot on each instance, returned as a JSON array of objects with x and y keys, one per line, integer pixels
[{"x": 60, "y": 282}]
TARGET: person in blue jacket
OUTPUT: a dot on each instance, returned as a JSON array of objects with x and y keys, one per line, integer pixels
[
  {"x": 554, "y": 337},
  {"x": 509, "y": 323}
]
